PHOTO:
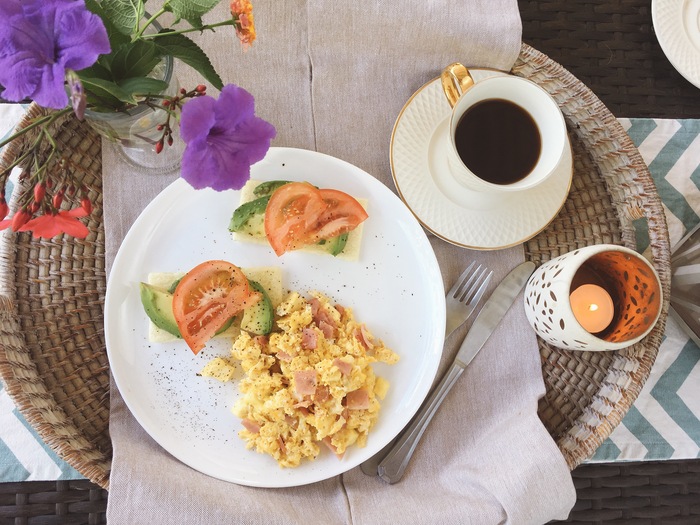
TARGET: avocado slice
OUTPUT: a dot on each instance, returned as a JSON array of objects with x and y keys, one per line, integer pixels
[
  {"x": 337, "y": 244},
  {"x": 334, "y": 245},
  {"x": 158, "y": 305},
  {"x": 171, "y": 288},
  {"x": 269, "y": 187},
  {"x": 258, "y": 319},
  {"x": 246, "y": 211}
]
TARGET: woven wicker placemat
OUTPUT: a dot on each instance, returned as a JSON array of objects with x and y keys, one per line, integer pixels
[
  {"x": 52, "y": 347},
  {"x": 52, "y": 352},
  {"x": 588, "y": 393}
]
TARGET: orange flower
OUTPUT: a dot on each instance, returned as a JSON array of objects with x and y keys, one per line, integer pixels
[
  {"x": 242, "y": 11},
  {"x": 241, "y": 6},
  {"x": 48, "y": 226}
]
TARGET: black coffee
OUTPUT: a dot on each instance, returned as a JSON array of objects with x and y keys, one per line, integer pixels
[{"x": 498, "y": 141}]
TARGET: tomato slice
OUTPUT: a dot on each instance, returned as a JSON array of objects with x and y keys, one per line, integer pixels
[
  {"x": 208, "y": 296},
  {"x": 342, "y": 215},
  {"x": 299, "y": 214},
  {"x": 292, "y": 211}
]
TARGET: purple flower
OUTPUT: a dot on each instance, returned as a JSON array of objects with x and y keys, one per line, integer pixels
[
  {"x": 78, "y": 99},
  {"x": 224, "y": 137},
  {"x": 39, "y": 40}
]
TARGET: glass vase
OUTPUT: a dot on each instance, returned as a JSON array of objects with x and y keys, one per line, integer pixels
[{"x": 134, "y": 132}]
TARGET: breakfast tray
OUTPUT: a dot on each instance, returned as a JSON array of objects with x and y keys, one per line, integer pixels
[{"x": 52, "y": 351}]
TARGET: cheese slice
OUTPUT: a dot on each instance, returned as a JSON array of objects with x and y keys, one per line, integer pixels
[
  {"x": 269, "y": 277},
  {"x": 254, "y": 230}
]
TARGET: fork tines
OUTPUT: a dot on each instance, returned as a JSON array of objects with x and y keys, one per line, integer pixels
[{"x": 470, "y": 282}]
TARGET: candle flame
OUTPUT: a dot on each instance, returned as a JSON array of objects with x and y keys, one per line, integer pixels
[{"x": 593, "y": 307}]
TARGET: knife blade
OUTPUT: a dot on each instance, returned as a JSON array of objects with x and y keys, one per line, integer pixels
[
  {"x": 492, "y": 312},
  {"x": 392, "y": 467}
]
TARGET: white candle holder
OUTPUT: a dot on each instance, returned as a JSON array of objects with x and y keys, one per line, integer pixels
[{"x": 629, "y": 278}]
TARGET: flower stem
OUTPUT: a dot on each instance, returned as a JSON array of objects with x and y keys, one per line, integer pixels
[
  {"x": 153, "y": 18},
  {"x": 52, "y": 154},
  {"x": 46, "y": 119},
  {"x": 189, "y": 30},
  {"x": 44, "y": 122}
]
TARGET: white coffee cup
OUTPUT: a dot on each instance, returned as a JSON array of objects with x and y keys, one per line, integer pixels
[{"x": 464, "y": 94}]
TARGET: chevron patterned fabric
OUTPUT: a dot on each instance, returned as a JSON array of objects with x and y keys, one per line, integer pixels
[{"x": 664, "y": 423}]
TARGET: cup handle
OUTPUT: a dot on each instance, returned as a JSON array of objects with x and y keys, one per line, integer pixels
[{"x": 455, "y": 81}]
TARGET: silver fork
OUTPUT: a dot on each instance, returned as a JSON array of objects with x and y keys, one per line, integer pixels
[
  {"x": 460, "y": 302},
  {"x": 463, "y": 297}
]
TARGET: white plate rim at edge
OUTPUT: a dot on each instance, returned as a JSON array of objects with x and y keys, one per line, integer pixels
[
  {"x": 674, "y": 40},
  {"x": 556, "y": 189},
  {"x": 130, "y": 366}
]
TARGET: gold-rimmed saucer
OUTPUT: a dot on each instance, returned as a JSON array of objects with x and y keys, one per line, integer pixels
[{"x": 475, "y": 220}]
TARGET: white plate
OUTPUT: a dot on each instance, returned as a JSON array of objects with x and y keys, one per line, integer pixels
[
  {"x": 395, "y": 288},
  {"x": 677, "y": 26},
  {"x": 463, "y": 217}
]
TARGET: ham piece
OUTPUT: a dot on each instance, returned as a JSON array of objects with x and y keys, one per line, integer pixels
[
  {"x": 327, "y": 329},
  {"x": 315, "y": 306},
  {"x": 283, "y": 356},
  {"x": 362, "y": 335},
  {"x": 327, "y": 441},
  {"x": 305, "y": 382},
  {"x": 309, "y": 339},
  {"x": 280, "y": 442},
  {"x": 251, "y": 426},
  {"x": 322, "y": 393},
  {"x": 357, "y": 399},
  {"x": 322, "y": 318},
  {"x": 344, "y": 367}
]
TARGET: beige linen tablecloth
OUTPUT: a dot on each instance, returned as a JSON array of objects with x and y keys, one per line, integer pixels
[{"x": 332, "y": 76}]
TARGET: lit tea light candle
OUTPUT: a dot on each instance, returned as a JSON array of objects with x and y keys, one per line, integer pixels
[{"x": 593, "y": 307}]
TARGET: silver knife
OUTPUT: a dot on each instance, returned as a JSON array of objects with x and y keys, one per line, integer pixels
[{"x": 392, "y": 467}]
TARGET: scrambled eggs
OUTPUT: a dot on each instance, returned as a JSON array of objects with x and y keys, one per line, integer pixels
[{"x": 310, "y": 382}]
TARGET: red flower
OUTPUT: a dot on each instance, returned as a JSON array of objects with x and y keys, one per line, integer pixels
[
  {"x": 48, "y": 226},
  {"x": 86, "y": 205},
  {"x": 17, "y": 220},
  {"x": 39, "y": 191}
]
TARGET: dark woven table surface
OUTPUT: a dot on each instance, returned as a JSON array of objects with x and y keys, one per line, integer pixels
[{"x": 611, "y": 47}]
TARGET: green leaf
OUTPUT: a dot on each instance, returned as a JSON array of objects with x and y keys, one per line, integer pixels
[
  {"x": 97, "y": 70},
  {"x": 124, "y": 14},
  {"x": 115, "y": 37},
  {"x": 95, "y": 7},
  {"x": 105, "y": 62},
  {"x": 104, "y": 90},
  {"x": 143, "y": 86},
  {"x": 136, "y": 59},
  {"x": 179, "y": 46},
  {"x": 191, "y": 10}
]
